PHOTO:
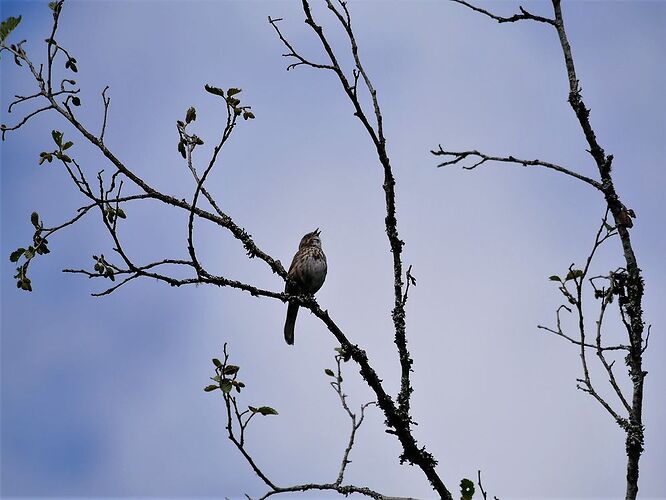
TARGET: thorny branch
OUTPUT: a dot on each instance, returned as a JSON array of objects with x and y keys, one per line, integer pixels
[{"x": 627, "y": 283}]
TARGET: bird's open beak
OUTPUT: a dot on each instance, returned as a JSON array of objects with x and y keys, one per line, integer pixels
[{"x": 317, "y": 232}]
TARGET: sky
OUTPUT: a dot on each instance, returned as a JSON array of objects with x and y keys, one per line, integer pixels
[{"x": 102, "y": 397}]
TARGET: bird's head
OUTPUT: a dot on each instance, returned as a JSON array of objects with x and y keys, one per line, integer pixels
[{"x": 311, "y": 239}]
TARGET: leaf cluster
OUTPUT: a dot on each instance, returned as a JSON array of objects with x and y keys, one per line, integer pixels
[
  {"x": 112, "y": 214},
  {"x": 187, "y": 141},
  {"x": 226, "y": 379},
  {"x": 103, "y": 268},
  {"x": 39, "y": 246},
  {"x": 466, "y": 489},
  {"x": 58, "y": 153},
  {"x": 232, "y": 100}
]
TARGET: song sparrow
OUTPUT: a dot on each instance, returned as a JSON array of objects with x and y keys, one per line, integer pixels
[{"x": 306, "y": 276}]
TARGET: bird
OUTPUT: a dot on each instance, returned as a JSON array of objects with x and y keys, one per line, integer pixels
[{"x": 306, "y": 276}]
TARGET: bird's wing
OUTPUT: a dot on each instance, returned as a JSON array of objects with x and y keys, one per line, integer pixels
[{"x": 289, "y": 285}]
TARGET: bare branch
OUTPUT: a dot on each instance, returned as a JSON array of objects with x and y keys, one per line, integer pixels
[
  {"x": 461, "y": 155},
  {"x": 20, "y": 99},
  {"x": 558, "y": 331},
  {"x": 600, "y": 351},
  {"x": 228, "y": 129},
  {"x": 524, "y": 15},
  {"x": 337, "y": 387},
  {"x": 292, "y": 52},
  {"x": 107, "y": 101},
  {"x": 483, "y": 492},
  {"x": 5, "y": 128}
]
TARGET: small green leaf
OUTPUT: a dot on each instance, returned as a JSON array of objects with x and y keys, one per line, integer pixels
[
  {"x": 329, "y": 372},
  {"x": 30, "y": 252},
  {"x": 181, "y": 149},
  {"x": 233, "y": 101},
  {"x": 230, "y": 370},
  {"x": 34, "y": 218},
  {"x": 210, "y": 388},
  {"x": 8, "y": 26},
  {"x": 121, "y": 213},
  {"x": 573, "y": 274},
  {"x": 225, "y": 385},
  {"x": 214, "y": 90},
  {"x": 554, "y": 278},
  {"x": 16, "y": 254},
  {"x": 217, "y": 362},
  {"x": 76, "y": 101},
  {"x": 57, "y": 137},
  {"x": 53, "y": 5},
  {"x": 233, "y": 91},
  {"x": 67, "y": 145},
  {"x": 466, "y": 489},
  {"x": 266, "y": 410},
  {"x": 25, "y": 284},
  {"x": 248, "y": 115},
  {"x": 252, "y": 409},
  {"x": 45, "y": 156},
  {"x": 191, "y": 115}
]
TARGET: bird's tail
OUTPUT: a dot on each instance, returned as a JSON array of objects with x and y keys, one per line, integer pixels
[{"x": 292, "y": 312}]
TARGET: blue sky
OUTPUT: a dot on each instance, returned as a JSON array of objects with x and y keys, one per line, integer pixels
[{"x": 102, "y": 396}]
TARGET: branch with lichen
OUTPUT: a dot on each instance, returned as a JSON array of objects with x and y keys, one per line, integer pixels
[
  {"x": 372, "y": 121},
  {"x": 630, "y": 277},
  {"x": 398, "y": 418},
  {"x": 572, "y": 287}
]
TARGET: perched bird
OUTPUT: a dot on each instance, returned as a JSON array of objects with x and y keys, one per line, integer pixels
[{"x": 306, "y": 276}]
